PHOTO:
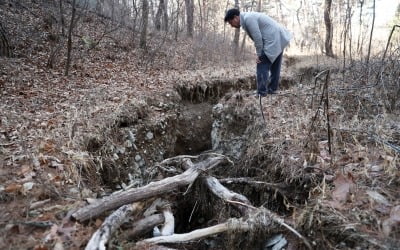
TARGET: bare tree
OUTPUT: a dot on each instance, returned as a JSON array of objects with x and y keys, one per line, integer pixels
[
  {"x": 177, "y": 16},
  {"x": 329, "y": 28},
  {"x": 237, "y": 33},
  {"x": 200, "y": 16},
  {"x": 189, "y": 17},
  {"x": 360, "y": 40},
  {"x": 62, "y": 22},
  {"x": 4, "y": 45},
  {"x": 161, "y": 14},
  {"x": 372, "y": 31},
  {"x": 145, "y": 17},
  {"x": 69, "y": 43},
  {"x": 165, "y": 16}
]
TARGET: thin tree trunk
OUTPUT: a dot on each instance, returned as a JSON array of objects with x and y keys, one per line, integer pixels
[
  {"x": 62, "y": 18},
  {"x": 345, "y": 39},
  {"x": 201, "y": 16},
  {"x": 237, "y": 34},
  {"x": 4, "y": 44},
  {"x": 69, "y": 43},
  {"x": 145, "y": 18},
  {"x": 189, "y": 17},
  {"x": 226, "y": 7},
  {"x": 359, "y": 40},
  {"x": 329, "y": 28},
  {"x": 165, "y": 16},
  {"x": 157, "y": 21},
  {"x": 372, "y": 31},
  {"x": 177, "y": 19},
  {"x": 348, "y": 30}
]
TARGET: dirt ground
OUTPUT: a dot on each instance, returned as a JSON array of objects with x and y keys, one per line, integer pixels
[{"x": 327, "y": 159}]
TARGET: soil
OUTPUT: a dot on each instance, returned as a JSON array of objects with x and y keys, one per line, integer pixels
[{"x": 67, "y": 139}]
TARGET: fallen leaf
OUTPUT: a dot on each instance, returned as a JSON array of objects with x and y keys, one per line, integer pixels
[
  {"x": 343, "y": 185},
  {"x": 13, "y": 188},
  {"x": 40, "y": 247}
]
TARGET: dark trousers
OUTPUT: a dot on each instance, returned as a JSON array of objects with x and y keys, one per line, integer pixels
[{"x": 265, "y": 85}]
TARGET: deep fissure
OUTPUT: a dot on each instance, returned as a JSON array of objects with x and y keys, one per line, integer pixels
[{"x": 195, "y": 127}]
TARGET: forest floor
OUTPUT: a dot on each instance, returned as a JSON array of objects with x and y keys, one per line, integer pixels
[{"x": 68, "y": 139}]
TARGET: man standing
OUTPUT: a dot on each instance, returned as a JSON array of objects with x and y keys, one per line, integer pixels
[{"x": 270, "y": 39}]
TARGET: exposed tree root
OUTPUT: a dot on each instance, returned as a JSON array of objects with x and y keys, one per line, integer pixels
[{"x": 251, "y": 219}]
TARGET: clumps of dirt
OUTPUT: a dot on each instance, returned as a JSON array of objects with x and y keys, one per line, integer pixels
[{"x": 212, "y": 90}]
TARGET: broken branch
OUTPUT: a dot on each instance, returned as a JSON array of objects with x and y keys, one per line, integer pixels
[
  {"x": 152, "y": 189},
  {"x": 110, "y": 225}
]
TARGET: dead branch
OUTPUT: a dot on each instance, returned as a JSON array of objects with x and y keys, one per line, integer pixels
[
  {"x": 110, "y": 225},
  {"x": 254, "y": 217},
  {"x": 169, "y": 223},
  {"x": 152, "y": 189},
  {"x": 227, "y": 195},
  {"x": 232, "y": 224},
  {"x": 244, "y": 204},
  {"x": 144, "y": 226},
  {"x": 253, "y": 182}
]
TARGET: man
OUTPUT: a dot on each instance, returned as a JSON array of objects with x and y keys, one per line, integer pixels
[{"x": 270, "y": 39}]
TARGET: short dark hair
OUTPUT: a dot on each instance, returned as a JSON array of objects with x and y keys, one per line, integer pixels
[{"x": 230, "y": 14}]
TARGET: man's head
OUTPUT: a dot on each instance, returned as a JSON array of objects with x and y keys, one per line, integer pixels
[{"x": 232, "y": 16}]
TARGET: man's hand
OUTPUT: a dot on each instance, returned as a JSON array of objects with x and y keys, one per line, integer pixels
[{"x": 258, "y": 60}]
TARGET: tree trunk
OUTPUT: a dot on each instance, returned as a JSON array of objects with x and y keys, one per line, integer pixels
[
  {"x": 259, "y": 6},
  {"x": 372, "y": 31},
  {"x": 69, "y": 43},
  {"x": 178, "y": 10},
  {"x": 360, "y": 40},
  {"x": 237, "y": 34},
  {"x": 201, "y": 16},
  {"x": 145, "y": 17},
  {"x": 62, "y": 22},
  {"x": 161, "y": 15},
  {"x": 189, "y": 17},
  {"x": 329, "y": 28},
  {"x": 4, "y": 45},
  {"x": 165, "y": 16},
  {"x": 157, "y": 21}
]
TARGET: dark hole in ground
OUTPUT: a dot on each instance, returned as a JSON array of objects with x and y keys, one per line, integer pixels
[{"x": 194, "y": 128}]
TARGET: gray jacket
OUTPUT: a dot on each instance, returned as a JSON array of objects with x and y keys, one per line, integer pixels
[{"x": 268, "y": 36}]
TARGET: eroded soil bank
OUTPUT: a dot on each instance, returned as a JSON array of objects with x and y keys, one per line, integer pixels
[{"x": 287, "y": 165}]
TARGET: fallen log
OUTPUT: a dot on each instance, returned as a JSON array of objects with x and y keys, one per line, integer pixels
[
  {"x": 110, "y": 225},
  {"x": 152, "y": 189},
  {"x": 144, "y": 226},
  {"x": 232, "y": 224}
]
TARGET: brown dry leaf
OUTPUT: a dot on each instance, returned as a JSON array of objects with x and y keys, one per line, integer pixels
[
  {"x": 343, "y": 186},
  {"x": 47, "y": 147},
  {"x": 24, "y": 169},
  {"x": 393, "y": 219},
  {"x": 13, "y": 188},
  {"x": 40, "y": 247}
]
